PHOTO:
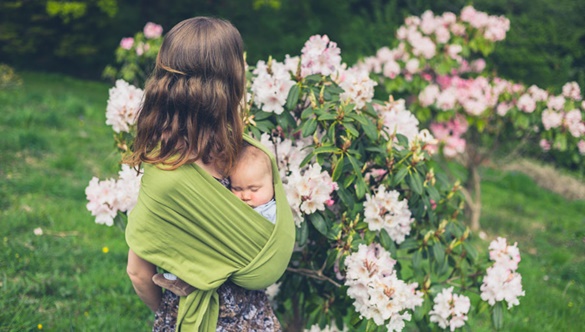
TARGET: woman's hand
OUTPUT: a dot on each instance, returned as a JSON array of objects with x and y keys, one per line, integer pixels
[{"x": 140, "y": 273}]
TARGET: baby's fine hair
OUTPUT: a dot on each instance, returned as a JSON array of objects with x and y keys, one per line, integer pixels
[
  {"x": 251, "y": 154},
  {"x": 192, "y": 99}
]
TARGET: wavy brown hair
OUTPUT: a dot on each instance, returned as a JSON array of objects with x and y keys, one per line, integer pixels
[{"x": 192, "y": 98}]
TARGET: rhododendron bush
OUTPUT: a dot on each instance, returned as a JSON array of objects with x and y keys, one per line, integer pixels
[
  {"x": 381, "y": 240},
  {"x": 437, "y": 66}
]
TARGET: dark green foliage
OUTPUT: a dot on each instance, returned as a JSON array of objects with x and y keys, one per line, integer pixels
[{"x": 544, "y": 45}]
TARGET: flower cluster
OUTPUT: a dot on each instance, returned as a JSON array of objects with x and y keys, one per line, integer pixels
[
  {"x": 494, "y": 28},
  {"x": 124, "y": 103},
  {"x": 271, "y": 85},
  {"x": 357, "y": 86},
  {"x": 289, "y": 154},
  {"x": 450, "y": 310},
  {"x": 150, "y": 31},
  {"x": 386, "y": 211},
  {"x": 397, "y": 119},
  {"x": 308, "y": 190},
  {"x": 428, "y": 37},
  {"x": 320, "y": 56},
  {"x": 565, "y": 112},
  {"x": 449, "y": 134},
  {"x": 473, "y": 95},
  {"x": 378, "y": 293},
  {"x": 502, "y": 282},
  {"x": 107, "y": 197}
]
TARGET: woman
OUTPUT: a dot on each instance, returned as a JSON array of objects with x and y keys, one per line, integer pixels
[{"x": 189, "y": 133}]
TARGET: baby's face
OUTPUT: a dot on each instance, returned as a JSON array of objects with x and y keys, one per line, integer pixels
[{"x": 252, "y": 184}]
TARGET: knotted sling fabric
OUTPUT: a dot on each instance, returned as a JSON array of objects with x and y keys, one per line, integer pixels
[{"x": 188, "y": 223}]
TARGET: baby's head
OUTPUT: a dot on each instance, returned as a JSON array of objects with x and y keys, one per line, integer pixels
[{"x": 251, "y": 178}]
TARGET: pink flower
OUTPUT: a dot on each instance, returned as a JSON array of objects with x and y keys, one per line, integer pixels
[
  {"x": 544, "y": 145},
  {"x": 126, "y": 43},
  {"x": 571, "y": 90},
  {"x": 526, "y": 103},
  {"x": 478, "y": 65},
  {"x": 152, "y": 30},
  {"x": 581, "y": 147},
  {"x": 141, "y": 48},
  {"x": 551, "y": 119}
]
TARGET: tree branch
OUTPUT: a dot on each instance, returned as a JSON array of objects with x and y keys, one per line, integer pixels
[{"x": 313, "y": 274}]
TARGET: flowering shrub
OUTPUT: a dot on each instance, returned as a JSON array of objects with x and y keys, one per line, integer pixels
[
  {"x": 437, "y": 66},
  {"x": 136, "y": 55},
  {"x": 380, "y": 240}
]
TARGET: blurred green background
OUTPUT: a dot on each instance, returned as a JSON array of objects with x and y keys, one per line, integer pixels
[{"x": 545, "y": 45}]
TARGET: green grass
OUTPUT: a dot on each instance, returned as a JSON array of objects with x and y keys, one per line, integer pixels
[{"x": 54, "y": 140}]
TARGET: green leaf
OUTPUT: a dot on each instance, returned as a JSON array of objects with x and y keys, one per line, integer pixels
[
  {"x": 260, "y": 115},
  {"x": 327, "y": 116},
  {"x": 351, "y": 129},
  {"x": 439, "y": 253},
  {"x": 264, "y": 126},
  {"x": 307, "y": 113},
  {"x": 293, "y": 96},
  {"x": 309, "y": 127},
  {"x": 345, "y": 196},
  {"x": 433, "y": 193},
  {"x": 286, "y": 120},
  {"x": 319, "y": 222},
  {"x": 338, "y": 168},
  {"x": 417, "y": 259},
  {"x": 409, "y": 244},
  {"x": 498, "y": 316},
  {"x": 361, "y": 184},
  {"x": 307, "y": 158},
  {"x": 303, "y": 234},
  {"x": 387, "y": 242},
  {"x": 326, "y": 149},
  {"x": 402, "y": 140},
  {"x": 399, "y": 176},
  {"x": 415, "y": 182},
  {"x": 371, "y": 131},
  {"x": 471, "y": 251},
  {"x": 121, "y": 220}
]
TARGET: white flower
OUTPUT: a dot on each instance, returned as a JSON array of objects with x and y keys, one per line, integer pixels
[
  {"x": 377, "y": 292},
  {"x": 320, "y": 56},
  {"x": 271, "y": 86},
  {"x": 107, "y": 197},
  {"x": 386, "y": 211},
  {"x": 38, "y": 231},
  {"x": 502, "y": 283},
  {"x": 123, "y": 106},
  {"x": 357, "y": 87},
  {"x": 398, "y": 119},
  {"x": 450, "y": 310},
  {"x": 308, "y": 191},
  {"x": 272, "y": 291}
]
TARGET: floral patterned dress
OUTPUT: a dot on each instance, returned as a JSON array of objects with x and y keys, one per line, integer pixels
[{"x": 239, "y": 309}]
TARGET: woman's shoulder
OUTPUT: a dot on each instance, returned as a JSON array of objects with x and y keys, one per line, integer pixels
[{"x": 164, "y": 178}]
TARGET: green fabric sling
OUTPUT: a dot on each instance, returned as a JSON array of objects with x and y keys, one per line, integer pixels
[{"x": 189, "y": 224}]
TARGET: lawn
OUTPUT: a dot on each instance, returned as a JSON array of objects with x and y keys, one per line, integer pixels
[{"x": 72, "y": 277}]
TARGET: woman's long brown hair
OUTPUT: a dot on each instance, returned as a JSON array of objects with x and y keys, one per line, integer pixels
[{"x": 191, "y": 101}]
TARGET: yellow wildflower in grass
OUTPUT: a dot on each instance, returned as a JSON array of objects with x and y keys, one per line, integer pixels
[
  {"x": 105, "y": 250},
  {"x": 40, "y": 326}
]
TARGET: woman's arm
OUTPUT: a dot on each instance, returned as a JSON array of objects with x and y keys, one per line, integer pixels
[{"x": 140, "y": 273}]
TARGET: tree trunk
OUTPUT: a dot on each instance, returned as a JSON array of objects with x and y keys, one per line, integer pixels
[{"x": 472, "y": 195}]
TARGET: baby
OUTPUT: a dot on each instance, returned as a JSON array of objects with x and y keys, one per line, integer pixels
[{"x": 251, "y": 181}]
